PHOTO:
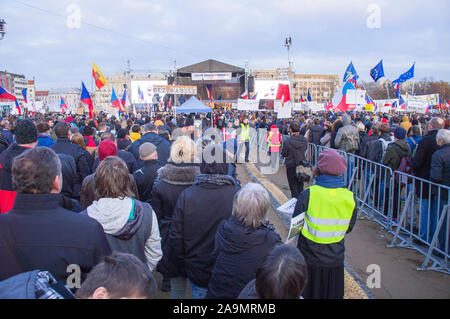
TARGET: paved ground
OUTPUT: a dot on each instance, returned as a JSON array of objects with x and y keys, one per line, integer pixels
[{"x": 366, "y": 245}]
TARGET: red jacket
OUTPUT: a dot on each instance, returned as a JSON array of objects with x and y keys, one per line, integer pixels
[{"x": 7, "y": 193}]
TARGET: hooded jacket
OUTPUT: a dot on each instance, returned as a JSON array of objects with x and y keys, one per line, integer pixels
[
  {"x": 315, "y": 133},
  {"x": 294, "y": 150},
  {"x": 130, "y": 227},
  {"x": 162, "y": 147},
  {"x": 239, "y": 251},
  {"x": 199, "y": 211},
  {"x": 394, "y": 153}
]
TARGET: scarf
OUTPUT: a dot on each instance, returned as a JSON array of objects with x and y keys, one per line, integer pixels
[
  {"x": 329, "y": 181},
  {"x": 217, "y": 179}
]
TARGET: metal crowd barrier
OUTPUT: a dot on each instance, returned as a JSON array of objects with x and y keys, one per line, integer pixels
[{"x": 414, "y": 210}]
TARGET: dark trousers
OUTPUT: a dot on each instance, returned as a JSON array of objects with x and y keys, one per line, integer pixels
[{"x": 295, "y": 186}]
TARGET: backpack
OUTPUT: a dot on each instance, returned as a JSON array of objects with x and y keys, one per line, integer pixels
[
  {"x": 384, "y": 144},
  {"x": 415, "y": 147},
  {"x": 404, "y": 167},
  {"x": 350, "y": 143}
]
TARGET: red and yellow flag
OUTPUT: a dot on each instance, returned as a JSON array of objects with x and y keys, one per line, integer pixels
[{"x": 100, "y": 80}]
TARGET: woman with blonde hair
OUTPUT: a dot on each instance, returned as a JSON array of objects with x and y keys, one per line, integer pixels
[
  {"x": 78, "y": 139},
  {"x": 173, "y": 178}
]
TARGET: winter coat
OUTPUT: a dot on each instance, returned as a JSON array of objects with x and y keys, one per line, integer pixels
[
  {"x": 7, "y": 193},
  {"x": 422, "y": 162},
  {"x": 45, "y": 139},
  {"x": 199, "y": 211},
  {"x": 440, "y": 170},
  {"x": 69, "y": 174},
  {"x": 7, "y": 134},
  {"x": 172, "y": 180},
  {"x": 249, "y": 291},
  {"x": 4, "y": 144},
  {"x": 394, "y": 153},
  {"x": 64, "y": 146},
  {"x": 294, "y": 150},
  {"x": 162, "y": 148},
  {"x": 130, "y": 227},
  {"x": 375, "y": 151},
  {"x": 315, "y": 133},
  {"x": 239, "y": 251},
  {"x": 48, "y": 236},
  {"x": 349, "y": 131},
  {"x": 413, "y": 141},
  {"x": 322, "y": 255},
  {"x": 366, "y": 144},
  {"x": 145, "y": 178},
  {"x": 326, "y": 140},
  {"x": 135, "y": 136}
]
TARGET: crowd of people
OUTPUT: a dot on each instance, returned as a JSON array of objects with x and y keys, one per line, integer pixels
[{"x": 123, "y": 198}]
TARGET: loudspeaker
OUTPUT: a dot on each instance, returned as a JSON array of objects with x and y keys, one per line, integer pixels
[
  {"x": 251, "y": 83},
  {"x": 170, "y": 80}
]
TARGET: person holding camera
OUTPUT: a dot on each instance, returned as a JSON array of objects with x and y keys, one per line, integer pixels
[{"x": 294, "y": 150}]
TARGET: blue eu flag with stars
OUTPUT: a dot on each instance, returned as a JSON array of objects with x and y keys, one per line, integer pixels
[
  {"x": 377, "y": 72},
  {"x": 406, "y": 76}
]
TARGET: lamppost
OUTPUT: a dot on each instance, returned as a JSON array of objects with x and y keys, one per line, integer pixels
[
  {"x": 287, "y": 44},
  {"x": 2, "y": 28}
]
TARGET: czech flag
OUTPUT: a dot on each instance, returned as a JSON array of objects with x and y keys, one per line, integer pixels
[
  {"x": 402, "y": 103},
  {"x": 283, "y": 92},
  {"x": 428, "y": 109},
  {"x": 86, "y": 99},
  {"x": 100, "y": 80},
  {"x": 24, "y": 93},
  {"x": 209, "y": 91},
  {"x": 301, "y": 98},
  {"x": 115, "y": 100},
  {"x": 63, "y": 105},
  {"x": 6, "y": 95},
  {"x": 254, "y": 96},
  {"x": 124, "y": 99},
  {"x": 245, "y": 95}
]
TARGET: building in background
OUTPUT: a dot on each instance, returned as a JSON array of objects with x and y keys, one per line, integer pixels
[
  {"x": 321, "y": 86},
  {"x": 14, "y": 83}
]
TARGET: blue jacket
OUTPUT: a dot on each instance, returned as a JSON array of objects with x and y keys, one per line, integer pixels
[
  {"x": 45, "y": 140},
  {"x": 162, "y": 148}
]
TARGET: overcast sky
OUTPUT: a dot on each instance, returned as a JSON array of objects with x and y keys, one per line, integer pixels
[{"x": 326, "y": 36}]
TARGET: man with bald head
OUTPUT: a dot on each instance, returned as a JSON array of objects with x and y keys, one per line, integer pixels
[{"x": 421, "y": 165}]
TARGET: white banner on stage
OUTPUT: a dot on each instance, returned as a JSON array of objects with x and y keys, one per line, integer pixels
[
  {"x": 248, "y": 105},
  {"x": 211, "y": 76}
]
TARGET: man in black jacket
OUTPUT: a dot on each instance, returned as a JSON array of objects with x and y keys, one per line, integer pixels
[
  {"x": 150, "y": 134},
  {"x": 198, "y": 212},
  {"x": 315, "y": 132},
  {"x": 421, "y": 166},
  {"x": 145, "y": 176},
  {"x": 294, "y": 150},
  {"x": 26, "y": 136},
  {"x": 64, "y": 146},
  {"x": 39, "y": 232}
]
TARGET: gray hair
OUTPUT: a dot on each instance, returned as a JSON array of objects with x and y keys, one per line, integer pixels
[
  {"x": 250, "y": 205},
  {"x": 443, "y": 135}
]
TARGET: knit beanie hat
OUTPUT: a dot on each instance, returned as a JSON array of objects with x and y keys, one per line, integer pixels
[
  {"x": 331, "y": 163},
  {"x": 106, "y": 148},
  {"x": 400, "y": 133},
  {"x": 25, "y": 132}
]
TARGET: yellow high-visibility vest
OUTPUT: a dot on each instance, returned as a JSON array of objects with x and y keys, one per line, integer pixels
[{"x": 329, "y": 213}]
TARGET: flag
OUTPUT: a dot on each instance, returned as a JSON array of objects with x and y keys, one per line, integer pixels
[
  {"x": 141, "y": 94},
  {"x": 377, "y": 72},
  {"x": 209, "y": 91},
  {"x": 18, "y": 107},
  {"x": 245, "y": 95},
  {"x": 254, "y": 96},
  {"x": 86, "y": 99},
  {"x": 370, "y": 104},
  {"x": 283, "y": 93},
  {"x": 63, "y": 104},
  {"x": 394, "y": 105},
  {"x": 342, "y": 105},
  {"x": 124, "y": 98},
  {"x": 402, "y": 103},
  {"x": 100, "y": 80},
  {"x": 350, "y": 73},
  {"x": 24, "y": 93},
  {"x": 6, "y": 95},
  {"x": 406, "y": 76},
  {"x": 301, "y": 98},
  {"x": 309, "y": 97},
  {"x": 115, "y": 100},
  {"x": 397, "y": 90},
  {"x": 428, "y": 109}
]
